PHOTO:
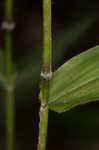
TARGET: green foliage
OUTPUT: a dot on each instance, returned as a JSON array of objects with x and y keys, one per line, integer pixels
[{"x": 76, "y": 82}]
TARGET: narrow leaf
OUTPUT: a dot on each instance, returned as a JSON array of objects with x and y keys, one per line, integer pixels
[{"x": 75, "y": 82}]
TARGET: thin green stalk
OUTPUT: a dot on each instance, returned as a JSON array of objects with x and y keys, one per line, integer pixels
[
  {"x": 43, "y": 128},
  {"x": 9, "y": 10},
  {"x": 8, "y": 26},
  {"x": 46, "y": 36},
  {"x": 9, "y": 120},
  {"x": 45, "y": 74},
  {"x": 9, "y": 95}
]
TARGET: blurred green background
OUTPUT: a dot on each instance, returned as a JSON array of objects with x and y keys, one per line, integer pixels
[{"x": 75, "y": 28}]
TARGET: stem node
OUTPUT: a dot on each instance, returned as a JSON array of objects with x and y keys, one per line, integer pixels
[
  {"x": 46, "y": 76},
  {"x": 8, "y": 26}
]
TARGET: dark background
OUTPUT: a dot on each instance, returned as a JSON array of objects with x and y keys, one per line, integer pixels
[{"x": 75, "y": 28}]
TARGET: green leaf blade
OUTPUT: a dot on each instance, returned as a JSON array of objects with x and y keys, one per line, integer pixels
[{"x": 75, "y": 82}]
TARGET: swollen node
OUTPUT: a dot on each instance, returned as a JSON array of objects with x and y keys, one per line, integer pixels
[
  {"x": 46, "y": 76},
  {"x": 9, "y": 26}
]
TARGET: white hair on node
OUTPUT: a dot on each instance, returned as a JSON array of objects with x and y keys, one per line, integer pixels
[
  {"x": 46, "y": 76},
  {"x": 8, "y": 26}
]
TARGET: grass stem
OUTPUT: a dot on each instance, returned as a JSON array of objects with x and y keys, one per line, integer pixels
[
  {"x": 45, "y": 74},
  {"x": 8, "y": 26}
]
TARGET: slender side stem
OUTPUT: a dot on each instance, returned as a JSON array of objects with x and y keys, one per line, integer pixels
[
  {"x": 8, "y": 26},
  {"x": 9, "y": 66},
  {"x": 45, "y": 74},
  {"x": 9, "y": 95},
  {"x": 9, "y": 120},
  {"x": 9, "y": 10}
]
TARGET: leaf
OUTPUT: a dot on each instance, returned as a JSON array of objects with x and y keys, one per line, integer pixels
[{"x": 75, "y": 82}]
